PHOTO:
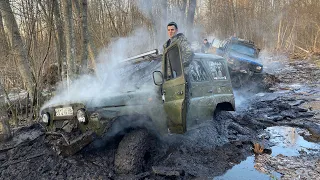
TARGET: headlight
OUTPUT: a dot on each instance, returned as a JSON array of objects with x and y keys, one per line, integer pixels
[
  {"x": 45, "y": 118},
  {"x": 81, "y": 116},
  {"x": 258, "y": 68}
]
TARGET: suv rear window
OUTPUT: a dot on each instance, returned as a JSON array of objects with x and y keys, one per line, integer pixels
[
  {"x": 197, "y": 72},
  {"x": 217, "y": 69}
]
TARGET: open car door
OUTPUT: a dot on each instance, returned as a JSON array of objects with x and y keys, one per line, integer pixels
[{"x": 174, "y": 89}]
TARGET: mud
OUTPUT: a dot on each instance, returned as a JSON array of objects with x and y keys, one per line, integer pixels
[{"x": 216, "y": 148}]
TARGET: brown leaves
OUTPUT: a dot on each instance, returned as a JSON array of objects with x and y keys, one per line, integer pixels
[{"x": 257, "y": 148}]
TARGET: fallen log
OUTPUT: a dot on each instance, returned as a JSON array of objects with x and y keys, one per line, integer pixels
[
  {"x": 21, "y": 160},
  {"x": 166, "y": 171}
]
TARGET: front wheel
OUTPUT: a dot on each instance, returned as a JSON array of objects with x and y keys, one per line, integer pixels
[
  {"x": 130, "y": 155},
  {"x": 239, "y": 79}
]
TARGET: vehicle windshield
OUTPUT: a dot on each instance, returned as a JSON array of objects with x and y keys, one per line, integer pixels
[{"x": 239, "y": 48}]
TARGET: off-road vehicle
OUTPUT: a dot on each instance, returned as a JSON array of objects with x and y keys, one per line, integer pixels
[
  {"x": 182, "y": 98},
  {"x": 242, "y": 57}
]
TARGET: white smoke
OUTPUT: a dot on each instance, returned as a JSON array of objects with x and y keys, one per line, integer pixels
[
  {"x": 272, "y": 62},
  {"x": 106, "y": 80}
]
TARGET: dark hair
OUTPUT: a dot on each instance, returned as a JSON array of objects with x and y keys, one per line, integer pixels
[
  {"x": 173, "y": 24},
  {"x": 205, "y": 39}
]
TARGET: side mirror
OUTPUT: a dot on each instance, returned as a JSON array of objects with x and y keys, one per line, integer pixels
[{"x": 157, "y": 78}]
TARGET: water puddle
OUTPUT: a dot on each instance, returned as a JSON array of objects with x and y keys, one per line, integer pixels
[
  {"x": 288, "y": 141},
  {"x": 246, "y": 171},
  {"x": 284, "y": 140}
]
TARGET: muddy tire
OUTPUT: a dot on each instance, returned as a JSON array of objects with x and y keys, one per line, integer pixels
[
  {"x": 130, "y": 155},
  {"x": 239, "y": 80},
  {"x": 236, "y": 82}
]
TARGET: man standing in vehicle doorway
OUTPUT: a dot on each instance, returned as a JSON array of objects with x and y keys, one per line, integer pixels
[{"x": 174, "y": 36}]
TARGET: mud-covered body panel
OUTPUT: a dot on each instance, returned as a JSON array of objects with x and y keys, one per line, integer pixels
[
  {"x": 101, "y": 117},
  {"x": 209, "y": 86},
  {"x": 192, "y": 92}
]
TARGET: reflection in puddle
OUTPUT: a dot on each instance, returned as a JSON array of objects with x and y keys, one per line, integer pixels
[
  {"x": 288, "y": 142},
  {"x": 246, "y": 171},
  {"x": 285, "y": 141}
]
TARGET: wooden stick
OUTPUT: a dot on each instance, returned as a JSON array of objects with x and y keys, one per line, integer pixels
[{"x": 25, "y": 159}]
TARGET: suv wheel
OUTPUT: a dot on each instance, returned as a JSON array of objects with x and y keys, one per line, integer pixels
[{"x": 130, "y": 155}]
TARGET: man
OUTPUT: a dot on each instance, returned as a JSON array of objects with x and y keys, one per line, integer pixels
[
  {"x": 205, "y": 46},
  {"x": 174, "y": 36}
]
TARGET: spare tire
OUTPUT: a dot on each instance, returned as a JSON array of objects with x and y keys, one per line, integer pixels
[{"x": 130, "y": 155}]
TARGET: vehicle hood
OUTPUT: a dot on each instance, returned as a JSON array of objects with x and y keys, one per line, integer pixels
[
  {"x": 244, "y": 58},
  {"x": 129, "y": 98},
  {"x": 115, "y": 99}
]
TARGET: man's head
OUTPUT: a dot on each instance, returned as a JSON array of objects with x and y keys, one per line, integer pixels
[
  {"x": 172, "y": 29},
  {"x": 205, "y": 41}
]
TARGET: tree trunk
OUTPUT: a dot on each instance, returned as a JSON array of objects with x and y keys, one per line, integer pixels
[
  {"x": 235, "y": 29},
  {"x": 154, "y": 27},
  {"x": 183, "y": 13},
  {"x": 85, "y": 37},
  {"x": 91, "y": 50},
  {"x": 5, "y": 132},
  {"x": 3, "y": 41},
  {"x": 61, "y": 53},
  {"x": 69, "y": 38},
  {"x": 18, "y": 47},
  {"x": 164, "y": 14},
  {"x": 190, "y": 15}
]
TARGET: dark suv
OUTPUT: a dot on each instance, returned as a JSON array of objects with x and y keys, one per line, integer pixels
[{"x": 242, "y": 57}]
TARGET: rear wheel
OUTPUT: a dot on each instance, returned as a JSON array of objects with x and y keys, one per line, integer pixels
[{"x": 130, "y": 155}]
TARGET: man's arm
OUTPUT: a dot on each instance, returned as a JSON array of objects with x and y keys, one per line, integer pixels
[{"x": 187, "y": 52}]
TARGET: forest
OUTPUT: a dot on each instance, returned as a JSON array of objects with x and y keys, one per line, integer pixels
[{"x": 71, "y": 34}]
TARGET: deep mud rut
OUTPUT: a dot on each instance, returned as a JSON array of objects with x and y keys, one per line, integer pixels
[{"x": 209, "y": 151}]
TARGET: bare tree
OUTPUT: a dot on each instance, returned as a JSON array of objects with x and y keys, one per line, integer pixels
[
  {"x": 191, "y": 13},
  {"x": 5, "y": 132},
  {"x": 85, "y": 37},
  {"x": 3, "y": 41},
  {"x": 60, "y": 42},
  {"x": 18, "y": 47},
  {"x": 69, "y": 38}
]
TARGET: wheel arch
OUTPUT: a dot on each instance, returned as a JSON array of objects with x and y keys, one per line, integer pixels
[{"x": 225, "y": 106}]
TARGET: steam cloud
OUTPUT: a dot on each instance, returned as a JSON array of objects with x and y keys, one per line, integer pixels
[{"x": 106, "y": 81}]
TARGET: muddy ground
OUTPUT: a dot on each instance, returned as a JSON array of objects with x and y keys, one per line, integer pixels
[{"x": 214, "y": 150}]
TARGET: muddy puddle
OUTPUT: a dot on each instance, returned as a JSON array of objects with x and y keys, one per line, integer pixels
[
  {"x": 246, "y": 171},
  {"x": 287, "y": 141}
]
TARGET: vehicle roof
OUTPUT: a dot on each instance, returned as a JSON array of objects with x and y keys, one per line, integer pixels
[
  {"x": 242, "y": 42},
  {"x": 203, "y": 55}
]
